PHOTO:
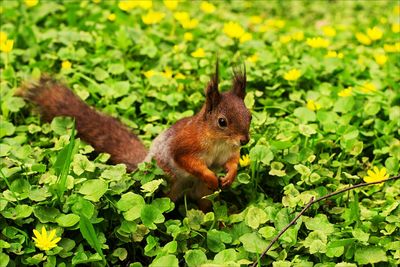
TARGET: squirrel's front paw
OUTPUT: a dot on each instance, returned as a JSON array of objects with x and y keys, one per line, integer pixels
[{"x": 227, "y": 180}]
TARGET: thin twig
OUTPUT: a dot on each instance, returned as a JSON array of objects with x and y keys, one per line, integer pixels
[{"x": 310, "y": 203}]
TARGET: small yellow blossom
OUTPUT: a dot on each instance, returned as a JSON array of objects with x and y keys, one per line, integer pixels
[
  {"x": 318, "y": 42},
  {"x": 376, "y": 175},
  {"x": 153, "y": 17},
  {"x": 346, "y": 92},
  {"x": 66, "y": 65},
  {"x": 179, "y": 48},
  {"x": 255, "y": 20},
  {"x": 363, "y": 38},
  {"x": 148, "y": 74},
  {"x": 253, "y": 58},
  {"x": 179, "y": 16},
  {"x": 31, "y": 3},
  {"x": 298, "y": 36},
  {"x": 167, "y": 73},
  {"x": 6, "y": 46},
  {"x": 3, "y": 37},
  {"x": 396, "y": 27},
  {"x": 374, "y": 33},
  {"x": 199, "y": 53},
  {"x": 368, "y": 87},
  {"x": 334, "y": 54},
  {"x": 380, "y": 59},
  {"x": 396, "y": 10},
  {"x": 329, "y": 31},
  {"x": 188, "y": 36},
  {"x": 312, "y": 105},
  {"x": 190, "y": 23},
  {"x": 392, "y": 48},
  {"x": 45, "y": 241},
  {"x": 292, "y": 75},
  {"x": 171, "y": 4},
  {"x": 245, "y": 37},
  {"x": 207, "y": 7},
  {"x": 284, "y": 39},
  {"x": 244, "y": 161},
  {"x": 233, "y": 29},
  {"x": 96, "y": 1},
  {"x": 111, "y": 17}
]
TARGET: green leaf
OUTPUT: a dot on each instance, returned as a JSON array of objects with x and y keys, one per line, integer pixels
[
  {"x": 100, "y": 74},
  {"x": 150, "y": 215},
  {"x": 67, "y": 220},
  {"x": 168, "y": 260},
  {"x": 93, "y": 189},
  {"x": 150, "y": 187},
  {"x": 316, "y": 242},
  {"x": 304, "y": 114},
  {"x": 370, "y": 255},
  {"x": 87, "y": 230},
  {"x": 6, "y": 128},
  {"x": 319, "y": 222},
  {"x": 255, "y": 217},
  {"x": 253, "y": 243},
  {"x": 195, "y": 257},
  {"x": 261, "y": 153}
]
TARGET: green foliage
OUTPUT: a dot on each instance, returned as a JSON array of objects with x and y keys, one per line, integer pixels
[{"x": 322, "y": 117}]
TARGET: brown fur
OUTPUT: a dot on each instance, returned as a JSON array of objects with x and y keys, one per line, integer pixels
[{"x": 103, "y": 132}]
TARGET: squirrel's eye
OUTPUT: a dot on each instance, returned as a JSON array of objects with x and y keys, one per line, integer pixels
[{"x": 222, "y": 122}]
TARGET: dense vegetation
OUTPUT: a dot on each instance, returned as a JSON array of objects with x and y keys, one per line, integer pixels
[{"x": 324, "y": 91}]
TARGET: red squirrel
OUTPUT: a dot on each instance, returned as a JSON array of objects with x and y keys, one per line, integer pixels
[{"x": 190, "y": 151}]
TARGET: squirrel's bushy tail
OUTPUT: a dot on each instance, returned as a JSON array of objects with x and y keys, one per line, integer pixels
[{"x": 103, "y": 132}]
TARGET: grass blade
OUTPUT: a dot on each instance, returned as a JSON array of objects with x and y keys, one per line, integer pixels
[
  {"x": 88, "y": 232},
  {"x": 63, "y": 163}
]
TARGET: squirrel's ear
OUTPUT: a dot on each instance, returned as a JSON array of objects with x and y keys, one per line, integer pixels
[
  {"x": 239, "y": 81},
  {"x": 212, "y": 94}
]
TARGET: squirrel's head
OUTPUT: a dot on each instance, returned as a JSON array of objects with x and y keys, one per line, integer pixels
[{"x": 225, "y": 113}]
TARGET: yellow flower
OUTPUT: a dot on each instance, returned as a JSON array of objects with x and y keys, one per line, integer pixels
[
  {"x": 380, "y": 59},
  {"x": 374, "y": 33},
  {"x": 284, "y": 39},
  {"x": 44, "y": 241},
  {"x": 66, "y": 65},
  {"x": 368, "y": 87},
  {"x": 6, "y": 46},
  {"x": 275, "y": 23},
  {"x": 312, "y": 105},
  {"x": 111, "y": 17},
  {"x": 255, "y": 20},
  {"x": 152, "y": 17},
  {"x": 244, "y": 161},
  {"x": 298, "y": 36},
  {"x": 253, "y": 58},
  {"x": 148, "y": 74},
  {"x": 3, "y": 37},
  {"x": 346, "y": 92},
  {"x": 363, "y": 38},
  {"x": 190, "y": 23},
  {"x": 31, "y": 3},
  {"x": 207, "y": 7},
  {"x": 233, "y": 30},
  {"x": 318, "y": 42},
  {"x": 245, "y": 37},
  {"x": 167, "y": 73},
  {"x": 392, "y": 48},
  {"x": 396, "y": 10},
  {"x": 329, "y": 31},
  {"x": 396, "y": 27},
  {"x": 292, "y": 75},
  {"x": 334, "y": 54},
  {"x": 96, "y": 1},
  {"x": 376, "y": 175},
  {"x": 188, "y": 36},
  {"x": 199, "y": 53},
  {"x": 171, "y": 4},
  {"x": 145, "y": 4},
  {"x": 179, "y": 16}
]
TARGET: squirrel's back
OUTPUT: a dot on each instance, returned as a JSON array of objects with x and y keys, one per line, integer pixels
[{"x": 104, "y": 133}]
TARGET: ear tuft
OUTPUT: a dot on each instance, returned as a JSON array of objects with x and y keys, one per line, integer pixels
[
  {"x": 212, "y": 94},
  {"x": 239, "y": 81}
]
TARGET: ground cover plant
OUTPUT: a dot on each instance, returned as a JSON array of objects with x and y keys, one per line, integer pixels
[{"x": 323, "y": 88}]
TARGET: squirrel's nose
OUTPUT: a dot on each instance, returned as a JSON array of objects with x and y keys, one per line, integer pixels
[{"x": 244, "y": 140}]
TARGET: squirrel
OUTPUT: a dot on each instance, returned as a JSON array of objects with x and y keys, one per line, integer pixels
[{"x": 189, "y": 152}]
